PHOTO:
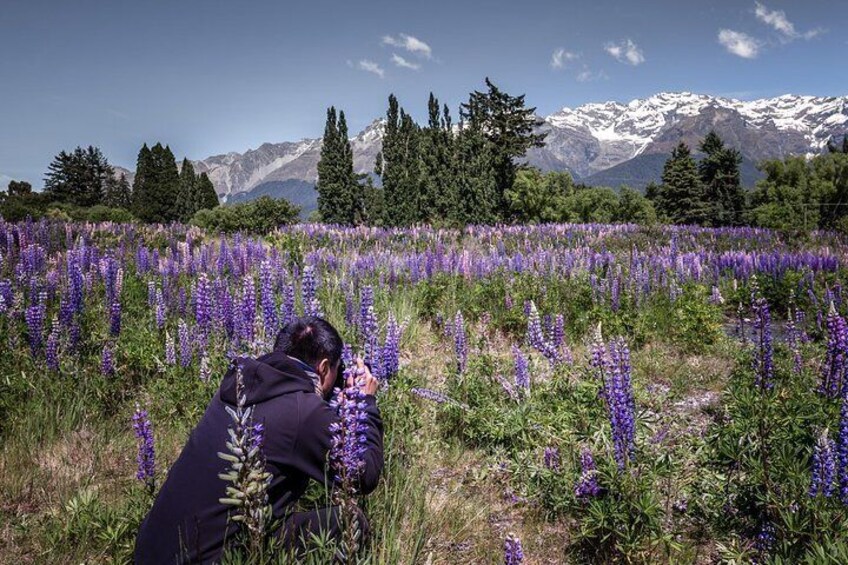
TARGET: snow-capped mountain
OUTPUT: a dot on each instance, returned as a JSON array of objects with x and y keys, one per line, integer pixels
[
  {"x": 587, "y": 140},
  {"x": 595, "y": 137}
]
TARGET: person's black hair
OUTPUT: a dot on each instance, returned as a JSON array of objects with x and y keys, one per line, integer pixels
[{"x": 310, "y": 339}]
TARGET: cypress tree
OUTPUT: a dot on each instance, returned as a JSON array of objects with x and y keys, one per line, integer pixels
[
  {"x": 388, "y": 165},
  {"x": 437, "y": 200},
  {"x": 327, "y": 186},
  {"x": 350, "y": 191},
  {"x": 185, "y": 204},
  {"x": 117, "y": 193},
  {"x": 475, "y": 181},
  {"x": 205, "y": 197},
  {"x": 157, "y": 185},
  {"x": 719, "y": 173},
  {"x": 681, "y": 196}
]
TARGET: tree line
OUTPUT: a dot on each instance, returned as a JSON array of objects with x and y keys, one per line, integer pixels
[{"x": 81, "y": 184}]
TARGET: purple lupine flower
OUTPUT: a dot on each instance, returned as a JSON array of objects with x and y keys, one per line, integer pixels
[
  {"x": 186, "y": 350},
  {"x": 52, "y": 349},
  {"x": 203, "y": 303},
  {"x": 763, "y": 349},
  {"x": 459, "y": 341},
  {"x": 205, "y": 372},
  {"x": 35, "y": 323},
  {"x": 107, "y": 361},
  {"x": 552, "y": 459},
  {"x": 287, "y": 312},
  {"x": 146, "y": 457},
  {"x": 535, "y": 335},
  {"x": 390, "y": 358},
  {"x": 842, "y": 451},
  {"x": 247, "y": 311},
  {"x": 115, "y": 318},
  {"x": 613, "y": 366},
  {"x": 513, "y": 553},
  {"x": 824, "y": 466},
  {"x": 170, "y": 350},
  {"x": 160, "y": 309},
  {"x": 559, "y": 331},
  {"x": 715, "y": 297},
  {"x": 764, "y": 541},
  {"x": 435, "y": 396},
  {"x": 522, "y": 369},
  {"x": 834, "y": 366},
  {"x": 309, "y": 292},
  {"x": 587, "y": 484},
  {"x": 266, "y": 298},
  {"x": 348, "y": 444}
]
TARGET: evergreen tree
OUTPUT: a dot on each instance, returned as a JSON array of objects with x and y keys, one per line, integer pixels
[
  {"x": 185, "y": 203},
  {"x": 438, "y": 199},
  {"x": 719, "y": 173},
  {"x": 509, "y": 126},
  {"x": 117, "y": 193},
  {"x": 327, "y": 185},
  {"x": 339, "y": 193},
  {"x": 157, "y": 185},
  {"x": 19, "y": 188},
  {"x": 78, "y": 177},
  {"x": 476, "y": 185},
  {"x": 205, "y": 196},
  {"x": 400, "y": 167},
  {"x": 681, "y": 196}
]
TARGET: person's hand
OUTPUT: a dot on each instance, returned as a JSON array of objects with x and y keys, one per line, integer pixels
[{"x": 363, "y": 378}]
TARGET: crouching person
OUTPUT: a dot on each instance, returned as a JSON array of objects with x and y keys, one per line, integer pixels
[{"x": 289, "y": 390}]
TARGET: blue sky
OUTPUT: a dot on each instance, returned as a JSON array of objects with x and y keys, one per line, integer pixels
[{"x": 209, "y": 76}]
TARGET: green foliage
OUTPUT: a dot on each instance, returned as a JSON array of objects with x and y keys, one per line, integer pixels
[
  {"x": 509, "y": 126},
  {"x": 156, "y": 187},
  {"x": 339, "y": 192},
  {"x": 79, "y": 177},
  {"x": 682, "y": 197},
  {"x": 719, "y": 172},
  {"x": 536, "y": 198},
  {"x": 257, "y": 216}
]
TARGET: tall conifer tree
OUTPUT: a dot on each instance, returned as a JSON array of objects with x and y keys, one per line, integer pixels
[{"x": 681, "y": 195}]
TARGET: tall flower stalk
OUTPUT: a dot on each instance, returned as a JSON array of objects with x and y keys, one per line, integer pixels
[
  {"x": 347, "y": 450},
  {"x": 146, "y": 456},
  {"x": 247, "y": 492}
]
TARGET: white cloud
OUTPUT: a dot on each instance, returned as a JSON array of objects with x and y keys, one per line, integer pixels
[
  {"x": 409, "y": 43},
  {"x": 560, "y": 58},
  {"x": 401, "y": 62},
  {"x": 588, "y": 75},
  {"x": 777, "y": 19},
  {"x": 626, "y": 52},
  {"x": 740, "y": 44},
  {"x": 371, "y": 67}
]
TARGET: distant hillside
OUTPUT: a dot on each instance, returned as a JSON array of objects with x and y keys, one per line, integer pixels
[
  {"x": 298, "y": 192},
  {"x": 642, "y": 170}
]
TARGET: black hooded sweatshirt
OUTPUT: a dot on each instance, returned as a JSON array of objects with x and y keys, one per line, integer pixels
[{"x": 187, "y": 522}]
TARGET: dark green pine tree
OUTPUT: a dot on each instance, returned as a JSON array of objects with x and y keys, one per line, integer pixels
[
  {"x": 327, "y": 185},
  {"x": 437, "y": 197},
  {"x": 117, "y": 193},
  {"x": 509, "y": 126},
  {"x": 475, "y": 182},
  {"x": 157, "y": 185},
  {"x": 339, "y": 192},
  {"x": 719, "y": 172},
  {"x": 186, "y": 197},
  {"x": 205, "y": 196},
  {"x": 79, "y": 177},
  {"x": 681, "y": 196},
  {"x": 351, "y": 202},
  {"x": 389, "y": 166}
]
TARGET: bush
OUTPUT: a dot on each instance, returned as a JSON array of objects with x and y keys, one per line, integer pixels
[{"x": 257, "y": 216}]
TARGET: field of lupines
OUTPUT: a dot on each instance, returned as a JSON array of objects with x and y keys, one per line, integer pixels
[{"x": 551, "y": 394}]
